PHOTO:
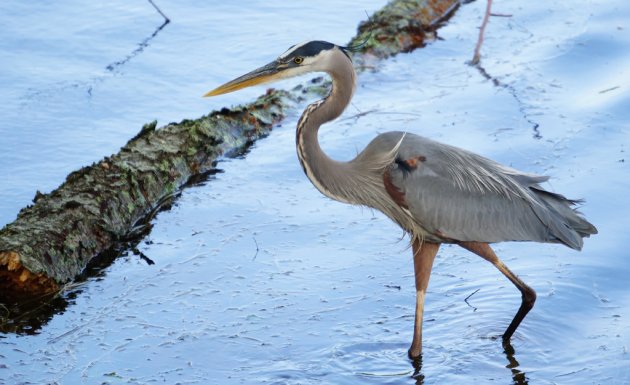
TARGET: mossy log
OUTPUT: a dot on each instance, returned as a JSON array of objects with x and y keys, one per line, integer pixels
[
  {"x": 52, "y": 241},
  {"x": 97, "y": 206}
]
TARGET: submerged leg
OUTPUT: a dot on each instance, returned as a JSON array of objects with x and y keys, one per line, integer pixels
[
  {"x": 423, "y": 256},
  {"x": 528, "y": 294}
]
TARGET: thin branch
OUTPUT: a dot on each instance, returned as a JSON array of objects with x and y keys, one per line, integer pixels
[
  {"x": 608, "y": 89},
  {"x": 476, "y": 63},
  {"x": 467, "y": 298},
  {"x": 142, "y": 256},
  {"x": 257, "y": 249},
  {"x": 477, "y": 57},
  {"x": 160, "y": 11},
  {"x": 360, "y": 114}
]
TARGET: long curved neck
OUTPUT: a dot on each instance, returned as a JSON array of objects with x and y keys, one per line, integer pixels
[{"x": 329, "y": 176}]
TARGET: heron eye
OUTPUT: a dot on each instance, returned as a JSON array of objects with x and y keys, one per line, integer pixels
[{"x": 298, "y": 60}]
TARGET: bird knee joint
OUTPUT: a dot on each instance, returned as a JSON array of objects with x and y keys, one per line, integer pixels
[{"x": 529, "y": 297}]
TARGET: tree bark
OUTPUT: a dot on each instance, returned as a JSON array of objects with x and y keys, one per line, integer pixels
[{"x": 99, "y": 206}]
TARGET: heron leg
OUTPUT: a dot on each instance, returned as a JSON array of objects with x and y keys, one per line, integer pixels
[
  {"x": 528, "y": 295},
  {"x": 423, "y": 256}
]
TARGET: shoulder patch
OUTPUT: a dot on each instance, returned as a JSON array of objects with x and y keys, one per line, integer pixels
[
  {"x": 393, "y": 191},
  {"x": 408, "y": 165}
]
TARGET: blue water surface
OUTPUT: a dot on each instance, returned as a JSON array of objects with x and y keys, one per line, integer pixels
[{"x": 260, "y": 279}]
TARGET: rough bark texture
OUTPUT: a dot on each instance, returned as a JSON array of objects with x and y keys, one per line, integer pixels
[
  {"x": 401, "y": 26},
  {"x": 52, "y": 241}
]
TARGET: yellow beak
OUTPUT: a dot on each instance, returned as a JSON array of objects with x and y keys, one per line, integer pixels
[{"x": 260, "y": 75}]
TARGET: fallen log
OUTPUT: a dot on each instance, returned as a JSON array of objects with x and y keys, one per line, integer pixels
[{"x": 99, "y": 206}]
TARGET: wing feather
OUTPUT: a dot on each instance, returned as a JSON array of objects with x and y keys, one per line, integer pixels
[{"x": 462, "y": 196}]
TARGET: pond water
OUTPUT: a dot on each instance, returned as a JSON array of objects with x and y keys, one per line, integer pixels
[{"x": 260, "y": 279}]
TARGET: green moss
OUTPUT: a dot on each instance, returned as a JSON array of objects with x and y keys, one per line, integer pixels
[
  {"x": 164, "y": 166},
  {"x": 145, "y": 130}
]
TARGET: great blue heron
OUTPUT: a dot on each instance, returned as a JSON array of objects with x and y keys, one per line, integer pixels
[{"x": 437, "y": 193}]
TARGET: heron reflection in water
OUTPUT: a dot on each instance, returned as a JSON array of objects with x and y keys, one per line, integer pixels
[{"x": 437, "y": 193}]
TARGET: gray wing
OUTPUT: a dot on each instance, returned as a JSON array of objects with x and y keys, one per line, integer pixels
[{"x": 461, "y": 196}]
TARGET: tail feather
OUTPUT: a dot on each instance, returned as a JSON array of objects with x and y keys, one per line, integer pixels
[{"x": 566, "y": 223}]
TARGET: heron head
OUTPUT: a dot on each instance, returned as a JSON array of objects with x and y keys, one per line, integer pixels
[{"x": 312, "y": 56}]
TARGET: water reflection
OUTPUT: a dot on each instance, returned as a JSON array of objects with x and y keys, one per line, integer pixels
[
  {"x": 518, "y": 376},
  {"x": 142, "y": 45},
  {"x": 417, "y": 367},
  {"x": 27, "y": 316}
]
